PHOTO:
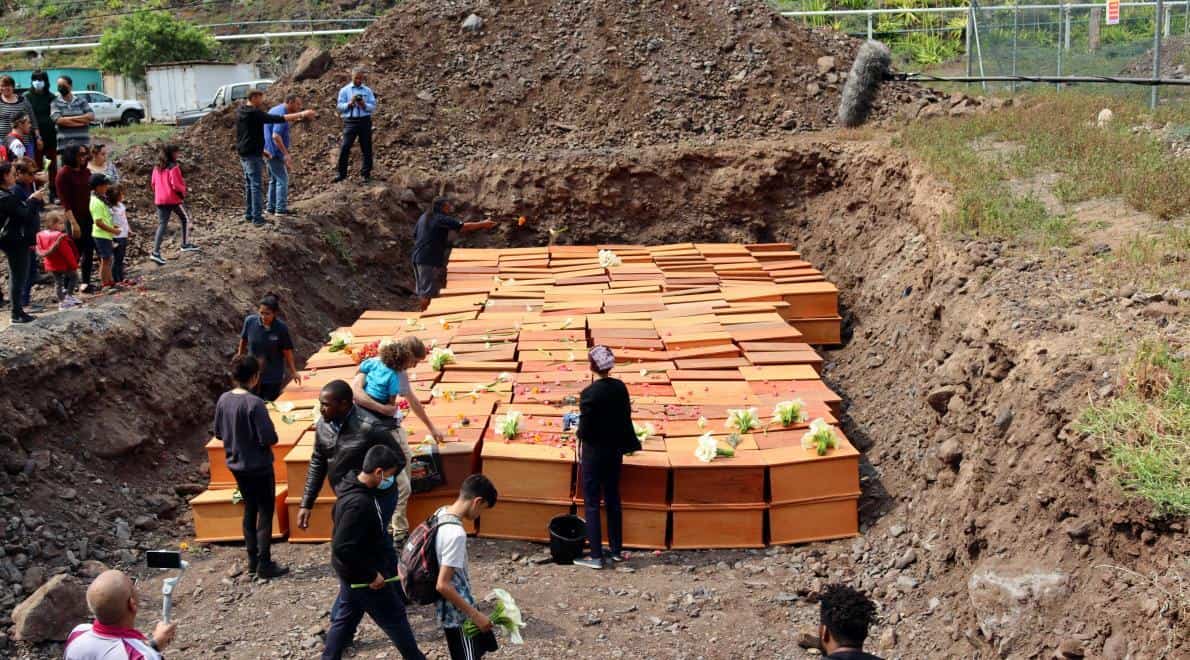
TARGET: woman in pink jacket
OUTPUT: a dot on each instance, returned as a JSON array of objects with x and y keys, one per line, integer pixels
[{"x": 169, "y": 190}]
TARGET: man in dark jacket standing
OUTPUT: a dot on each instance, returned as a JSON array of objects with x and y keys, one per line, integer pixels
[
  {"x": 357, "y": 559},
  {"x": 250, "y": 121},
  {"x": 431, "y": 236}
]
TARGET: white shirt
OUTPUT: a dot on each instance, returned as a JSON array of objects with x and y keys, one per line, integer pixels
[{"x": 86, "y": 644}]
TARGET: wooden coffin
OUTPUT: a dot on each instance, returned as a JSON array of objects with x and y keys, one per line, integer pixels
[
  {"x": 531, "y": 472},
  {"x": 735, "y": 480},
  {"x": 644, "y": 479},
  {"x": 297, "y": 464},
  {"x": 813, "y": 520},
  {"x": 797, "y": 474},
  {"x": 320, "y": 527},
  {"x": 645, "y": 526},
  {"x": 217, "y": 518},
  {"x": 423, "y": 505},
  {"x": 717, "y": 526},
  {"x": 527, "y": 519}
]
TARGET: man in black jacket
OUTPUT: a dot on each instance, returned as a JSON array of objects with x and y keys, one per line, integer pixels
[
  {"x": 250, "y": 120},
  {"x": 357, "y": 559}
]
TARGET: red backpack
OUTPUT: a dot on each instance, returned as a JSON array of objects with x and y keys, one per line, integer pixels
[{"x": 418, "y": 567}]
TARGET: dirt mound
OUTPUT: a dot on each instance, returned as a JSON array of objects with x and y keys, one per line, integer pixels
[
  {"x": 1174, "y": 59},
  {"x": 551, "y": 74}
]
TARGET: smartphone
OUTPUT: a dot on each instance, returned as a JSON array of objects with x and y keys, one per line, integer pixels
[{"x": 163, "y": 559}]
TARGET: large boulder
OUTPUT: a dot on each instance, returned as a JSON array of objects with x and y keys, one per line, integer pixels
[
  {"x": 1013, "y": 597},
  {"x": 312, "y": 63},
  {"x": 52, "y": 611}
]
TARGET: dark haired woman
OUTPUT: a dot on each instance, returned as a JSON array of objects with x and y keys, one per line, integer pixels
[
  {"x": 266, "y": 337},
  {"x": 169, "y": 191},
  {"x": 18, "y": 232},
  {"x": 73, "y": 185},
  {"x": 45, "y": 132},
  {"x": 242, "y": 423},
  {"x": 605, "y": 434}
]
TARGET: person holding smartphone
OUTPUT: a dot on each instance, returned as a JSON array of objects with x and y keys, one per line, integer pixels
[
  {"x": 18, "y": 232},
  {"x": 356, "y": 103}
]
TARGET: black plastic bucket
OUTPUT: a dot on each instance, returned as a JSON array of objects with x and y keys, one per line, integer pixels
[{"x": 568, "y": 534}]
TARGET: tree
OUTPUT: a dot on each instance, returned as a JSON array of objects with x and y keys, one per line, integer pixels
[{"x": 151, "y": 37}]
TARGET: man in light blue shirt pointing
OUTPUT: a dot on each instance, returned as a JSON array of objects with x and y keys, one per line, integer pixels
[{"x": 356, "y": 105}]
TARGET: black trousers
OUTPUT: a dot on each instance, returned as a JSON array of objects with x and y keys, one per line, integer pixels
[
  {"x": 258, "y": 493},
  {"x": 601, "y": 478},
  {"x": 118, "y": 265},
  {"x": 18, "y": 269},
  {"x": 360, "y": 128},
  {"x": 387, "y": 612}
]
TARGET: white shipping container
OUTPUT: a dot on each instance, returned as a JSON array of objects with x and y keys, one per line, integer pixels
[{"x": 180, "y": 86}]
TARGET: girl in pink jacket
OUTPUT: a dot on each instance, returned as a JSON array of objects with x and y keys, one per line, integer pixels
[{"x": 169, "y": 191}]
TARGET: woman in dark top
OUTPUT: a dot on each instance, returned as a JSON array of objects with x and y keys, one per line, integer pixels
[
  {"x": 605, "y": 433},
  {"x": 73, "y": 186},
  {"x": 242, "y": 423},
  {"x": 267, "y": 338}
]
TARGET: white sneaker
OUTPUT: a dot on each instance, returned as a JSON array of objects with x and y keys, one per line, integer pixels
[{"x": 74, "y": 302}]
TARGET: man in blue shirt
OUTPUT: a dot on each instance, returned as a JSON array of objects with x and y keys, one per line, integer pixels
[
  {"x": 276, "y": 150},
  {"x": 356, "y": 104}
]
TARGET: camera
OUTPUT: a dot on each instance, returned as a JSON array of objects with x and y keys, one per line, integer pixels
[{"x": 358, "y": 98}]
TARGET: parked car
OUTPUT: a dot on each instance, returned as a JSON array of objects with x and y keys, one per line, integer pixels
[
  {"x": 113, "y": 111},
  {"x": 224, "y": 96}
]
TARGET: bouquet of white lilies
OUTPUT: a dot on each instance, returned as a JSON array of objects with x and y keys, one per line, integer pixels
[
  {"x": 788, "y": 413},
  {"x": 506, "y": 616},
  {"x": 742, "y": 420},
  {"x": 440, "y": 357},
  {"x": 643, "y": 432},
  {"x": 339, "y": 340},
  {"x": 708, "y": 448},
  {"x": 820, "y": 437},
  {"x": 509, "y": 424},
  {"x": 609, "y": 259}
]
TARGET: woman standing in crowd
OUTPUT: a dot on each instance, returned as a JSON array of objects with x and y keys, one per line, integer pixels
[
  {"x": 169, "y": 191},
  {"x": 27, "y": 180},
  {"x": 100, "y": 164},
  {"x": 266, "y": 338},
  {"x": 18, "y": 231},
  {"x": 73, "y": 185},
  {"x": 242, "y": 423},
  {"x": 46, "y": 136},
  {"x": 605, "y": 434},
  {"x": 11, "y": 106}
]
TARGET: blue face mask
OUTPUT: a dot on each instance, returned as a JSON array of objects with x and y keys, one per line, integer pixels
[
  {"x": 387, "y": 483},
  {"x": 39, "y": 85}
]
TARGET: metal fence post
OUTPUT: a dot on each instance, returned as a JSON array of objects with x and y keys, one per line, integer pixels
[
  {"x": 870, "y": 25},
  {"x": 1160, "y": 12},
  {"x": 970, "y": 28},
  {"x": 1061, "y": 14},
  {"x": 1016, "y": 19},
  {"x": 1069, "y": 13}
]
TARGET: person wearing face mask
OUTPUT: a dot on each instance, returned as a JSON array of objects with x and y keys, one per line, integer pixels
[
  {"x": 242, "y": 422},
  {"x": 12, "y": 106},
  {"x": 46, "y": 134},
  {"x": 72, "y": 115},
  {"x": 362, "y": 571}
]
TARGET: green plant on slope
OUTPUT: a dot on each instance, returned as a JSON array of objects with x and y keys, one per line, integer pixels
[{"x": 151, "y": 37}]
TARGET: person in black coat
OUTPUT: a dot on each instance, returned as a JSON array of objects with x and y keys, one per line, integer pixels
[
  {"x": 605, "y": 434},
  {"x": 18, "y": 232}
]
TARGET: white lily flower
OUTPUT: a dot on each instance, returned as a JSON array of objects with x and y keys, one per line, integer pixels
[
  {"x": 436, "y": 392},
  {"x": 608, "y": 259},
  {"x": 644, "y": 372},
  {"x": 512, "y": 620},
  {"x": 284, "y": 406},
  {"x": 707, "y": 448},
  {"x": 820, "y": 437},
  {"x": 440, "y": 357},
  {"x": 788, "y": 413},
  {"x": 503, "y": 377},
  {"x": 509, "y": 425},
  {"x": 742, "y": 420}
]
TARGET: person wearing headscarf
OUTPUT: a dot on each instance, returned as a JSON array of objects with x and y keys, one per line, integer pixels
[{"x": 605, "y": 434}]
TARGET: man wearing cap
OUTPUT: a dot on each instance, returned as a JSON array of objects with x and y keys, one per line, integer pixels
[{"x": 605, "y": 434}]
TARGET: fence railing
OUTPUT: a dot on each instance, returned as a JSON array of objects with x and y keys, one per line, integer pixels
[{"x": 1027, "y": 39}]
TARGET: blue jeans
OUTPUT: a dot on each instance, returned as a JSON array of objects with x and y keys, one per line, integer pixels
[
  {"x": 388, "y": 505},
  {"x": 253, "y": 185},
  {"x": 278, "y": 199},
  {"x": 385, "y": 608}
]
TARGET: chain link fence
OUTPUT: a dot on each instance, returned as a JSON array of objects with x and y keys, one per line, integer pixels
[{"x": 1036, "y": 39}]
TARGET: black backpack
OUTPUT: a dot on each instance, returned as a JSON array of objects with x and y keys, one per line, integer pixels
[{"x": 418, "y": 566}]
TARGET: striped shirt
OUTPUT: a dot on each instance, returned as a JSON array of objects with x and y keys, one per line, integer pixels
[
  {"x": 75, "y": 107},
  {"x": 9, "y": 112}
]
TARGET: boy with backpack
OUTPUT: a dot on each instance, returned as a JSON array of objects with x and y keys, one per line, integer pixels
[
  {"x": 359, "y": 560},
  {"x": 434, "y": 569}
]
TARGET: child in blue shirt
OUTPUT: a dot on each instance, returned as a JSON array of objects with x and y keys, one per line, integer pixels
[{"x": 376, "y": 385}]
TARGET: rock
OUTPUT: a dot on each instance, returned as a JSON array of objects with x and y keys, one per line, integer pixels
[
  {"x": 1070, "y": 648},
  {"x": 145, "y": 522},
  {"x": 906, "y": 559},
  {"x": 787, "y": 121},
  {"x": 1012, "y": 598},
  {"x": 951, "y": 453},
  {"x": 473, "y": 23},
  {"x": 1104, "y": 118},
  {"x": 813, "y": 88},
  {"x": 425, "y": 95},
  {"x": 34, "y": 577},
  {"x": 888, "y": 639},
  {"x": 807, "y": 641},
  {"x": 896, "y": 530},
  {"x": 1116, "y": 647},
  {"x": 1077, "y": 529},
  {"x": 939, "y": 398},
  {"x": 1003, "y": 420},
  {"x": 68, "y": 494},
  {"x": 826, "y": 63},
  {"x": 906, "y": 582},
  {"x": 51, "y": 612},
  {"x": 123, "y": 533},
  {"x": 1099, "y": 249},
  {"x": 312, "y": 63},
  {"x": 91, "y": 569}
]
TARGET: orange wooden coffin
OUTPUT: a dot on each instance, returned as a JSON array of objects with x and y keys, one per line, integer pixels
[
  {"x": 320, "y": 527},
  {"x": 797, "y": 474},
  {"x": 217, "y": 518},
  {"x": 735, "y": 480},
  {"x": 717, "y": 526},
  {"x": 514, "y": 518},
  {"x": 813, "y": 520},
  {"x": 532, "y": 472}
]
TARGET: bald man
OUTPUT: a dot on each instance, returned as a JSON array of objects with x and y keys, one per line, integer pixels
[{"x": 113, "y": 600}]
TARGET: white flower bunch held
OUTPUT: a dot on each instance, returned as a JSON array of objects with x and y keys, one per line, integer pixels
[
  {"x": 340, "y": 340},
  {"x": 820, "y": 437},
  {"x": 742, "y": 420},
  {"x": 509, "y": 425},
  {"x": 609, "y": 259},
  {"x": 440, "y": 357},
  {"x": 788, "y": 413},
  {"x": 643, "y": 432},
  {"x": 506, "y": 616},
  {"x": 708, "y": 448}
]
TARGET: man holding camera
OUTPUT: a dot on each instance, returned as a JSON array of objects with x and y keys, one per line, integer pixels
[
  {"x": 356, "y": 104},
  {"x": 114, "y": 601}
]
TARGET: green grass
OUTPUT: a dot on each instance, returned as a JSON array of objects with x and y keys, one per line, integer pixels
[
  {"x": 1145, "y": 430},
  {"x": 1055, "y": 132},
  {"x": 130, "y": 136},
  {"x": 1155, "y": 260}
]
